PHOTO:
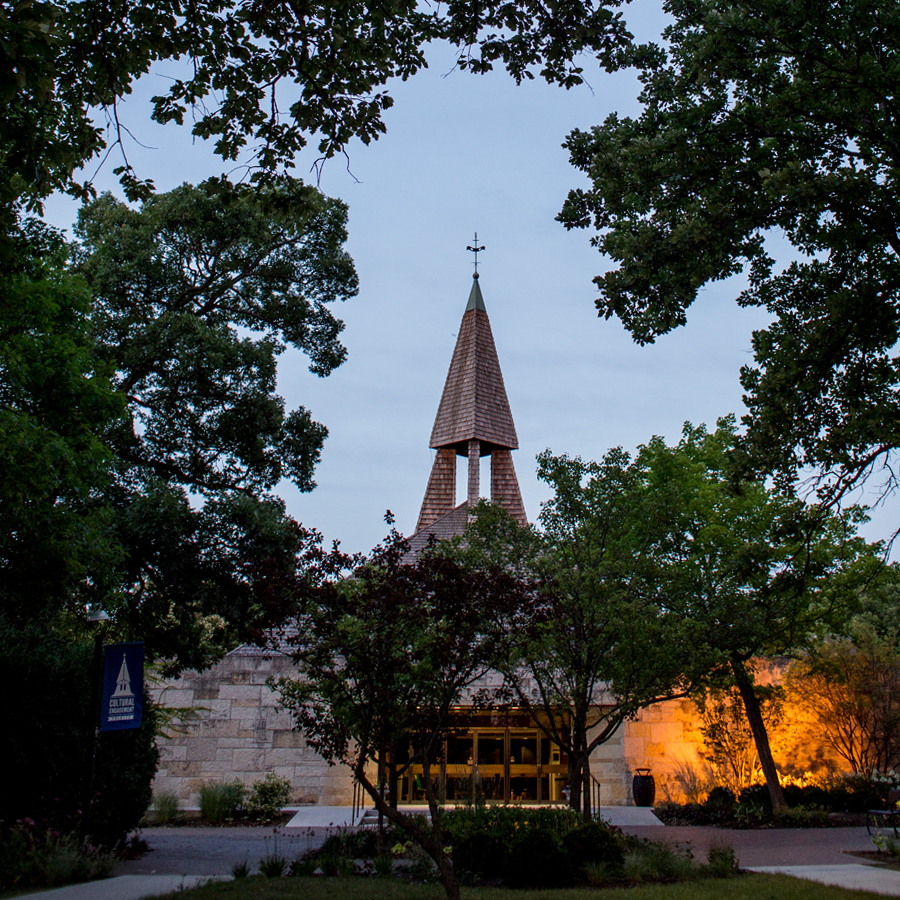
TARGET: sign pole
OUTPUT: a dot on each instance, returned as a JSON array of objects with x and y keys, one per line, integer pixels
[{"x": 96, "y": 672}]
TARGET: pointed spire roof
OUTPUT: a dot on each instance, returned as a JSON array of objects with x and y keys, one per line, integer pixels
[
  {"x": 476, "y": 301},
  {"x": 474, "y": 405}
]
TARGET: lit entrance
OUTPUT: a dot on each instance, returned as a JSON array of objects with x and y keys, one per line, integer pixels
[{"x": 495, "y": 757}]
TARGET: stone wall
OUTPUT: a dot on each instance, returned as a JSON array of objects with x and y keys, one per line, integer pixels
[
  {"x": 610, "y": 772},
  {"x": 236, "y": 731},
  {"x": 666, "y": 740}
]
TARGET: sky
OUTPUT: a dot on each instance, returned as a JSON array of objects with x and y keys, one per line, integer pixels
[{"x": 466, "y": 154}]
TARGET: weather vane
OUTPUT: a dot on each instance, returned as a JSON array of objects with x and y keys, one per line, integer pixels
[{"x": 476, "y": 250}]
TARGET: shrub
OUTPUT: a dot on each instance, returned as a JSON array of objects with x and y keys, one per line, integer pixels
[
  {"x": 721, "y": 862},
  {"x": 506, "y": 822},
  {"x": 328, "y": 863},
  {"x": 720, "y": 798},
  {"x": 303, "y": 866},
  {"x": 240, "y": 870},
  {"x": 886, "y": 844},
  {"x": 538, "y": 860},
  {"x": 273, "y": 865},
  {"x": 165, "y": 807},
  {"x": 803, "y": 817},
  {"x": 362, "y": 844},
  {"x": 693, "y": 814},
  {"x": 530, "y": 847},
  {"x": 42, "y": 670},
  {"x": 594, "y": 844},
  {"x": 221, "y": 801},
  {"x": 599, "y": 874},
  {"x": 480, "y": 855},
  {"x": 649, "y": 861},
  {"x": 756, "y": 798},
  {"x": 421, "y": 866},
  {"x": 837, "y": 799},
  {"x": 268, "y": 796},
  {"x": 41, "y": 857}
]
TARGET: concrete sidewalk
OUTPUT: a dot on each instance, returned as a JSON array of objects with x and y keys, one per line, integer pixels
[
  {"x": 854, "y": 876},
  {"x": 127, "y": 887}
]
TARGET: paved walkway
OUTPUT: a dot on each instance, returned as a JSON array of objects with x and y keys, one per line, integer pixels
[
  {"x": 214, "y": 851},
  {"x": 769, "y": 846},
  {"x": 184, "y": 856},
  {"x": 853, "y": 876}
]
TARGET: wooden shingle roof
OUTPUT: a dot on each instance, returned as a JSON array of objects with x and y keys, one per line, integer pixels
[
  {"x": 451, "y": 524},
  {"x": 474, "y": 405}
]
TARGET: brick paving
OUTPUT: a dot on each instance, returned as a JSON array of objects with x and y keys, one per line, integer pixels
[{"x": 769, "y": 846}]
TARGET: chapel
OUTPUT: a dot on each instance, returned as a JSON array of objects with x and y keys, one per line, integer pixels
[{"x": 234, "y": 728}]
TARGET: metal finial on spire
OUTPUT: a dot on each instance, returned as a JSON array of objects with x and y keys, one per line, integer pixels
[{"x": 476, "y": 250}]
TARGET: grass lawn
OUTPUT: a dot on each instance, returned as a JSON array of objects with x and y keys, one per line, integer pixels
[{"x": 745, "y": 887}]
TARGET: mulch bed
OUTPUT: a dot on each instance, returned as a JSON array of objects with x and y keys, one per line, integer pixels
[
  {"x": 693, "y": 814},
  {"x": 877, "y": 857}
]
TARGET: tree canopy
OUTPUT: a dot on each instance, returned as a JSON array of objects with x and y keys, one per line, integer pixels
[
  {"x": 255, "y": 76},
  {"x": 596, "y": 648},
  {"x": 140, "y": 425},
  {"x": 760, "y": 118},
  {"x": 658, "y": 572},
  {"x": 749, "y": 571},
  {"x": 195, "y": 296},
  {"x": 850, "y": 681},
  {"x": 56, "y": 402}
]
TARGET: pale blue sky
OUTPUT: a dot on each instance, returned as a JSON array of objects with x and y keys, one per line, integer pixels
[{"x": 464, "y": 154}]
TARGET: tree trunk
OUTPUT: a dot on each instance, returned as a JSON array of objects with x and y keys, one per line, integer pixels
[
  {"x": 760, "y": 735},
  {"x": 586, "y": 806},
  {"x": 448, "y": 875},
  {"x": 393, "y": 777},
  {"x": 574, "y": 782},
  {"x": 430, "y": 840}
]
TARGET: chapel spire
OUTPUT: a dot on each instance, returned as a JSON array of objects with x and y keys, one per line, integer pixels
[{"x": 473, "y": 420}]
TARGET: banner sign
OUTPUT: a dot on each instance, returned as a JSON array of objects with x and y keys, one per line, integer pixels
[{"x": 122, "y": 701}]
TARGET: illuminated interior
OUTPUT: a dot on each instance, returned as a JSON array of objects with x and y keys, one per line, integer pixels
[{"x": 497, "y": 757}]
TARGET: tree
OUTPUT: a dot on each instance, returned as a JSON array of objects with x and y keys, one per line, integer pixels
[
  {"x": 195, "y": 297},
  {"x": 47, "y": 685},
  {"x": 256, "y": 76},
  {"x": 749, "y": 571},
  {"x": 730, "y": 749},
  {"x": 852, "y": 683},
  {"x": 599, "y": 647},
  {"x": 766, "y": 118},
  {"x": 660, "y": 575},
  {"x": 56, "y": 401},
  {"x": 385, "y": 648},
  {"x": 173, "y": 285}
]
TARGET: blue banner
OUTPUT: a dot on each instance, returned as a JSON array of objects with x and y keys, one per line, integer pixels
[{"x": 122, "y": 702}]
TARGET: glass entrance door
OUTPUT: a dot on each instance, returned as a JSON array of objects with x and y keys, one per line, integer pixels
[{"x": 511, "y": 763}]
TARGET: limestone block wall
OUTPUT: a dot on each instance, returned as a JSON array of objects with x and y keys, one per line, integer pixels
[
  {"x": 236, "y": 731},
  {"x": 609, "y": 770},
  {"x": 666, "y": 740}
]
